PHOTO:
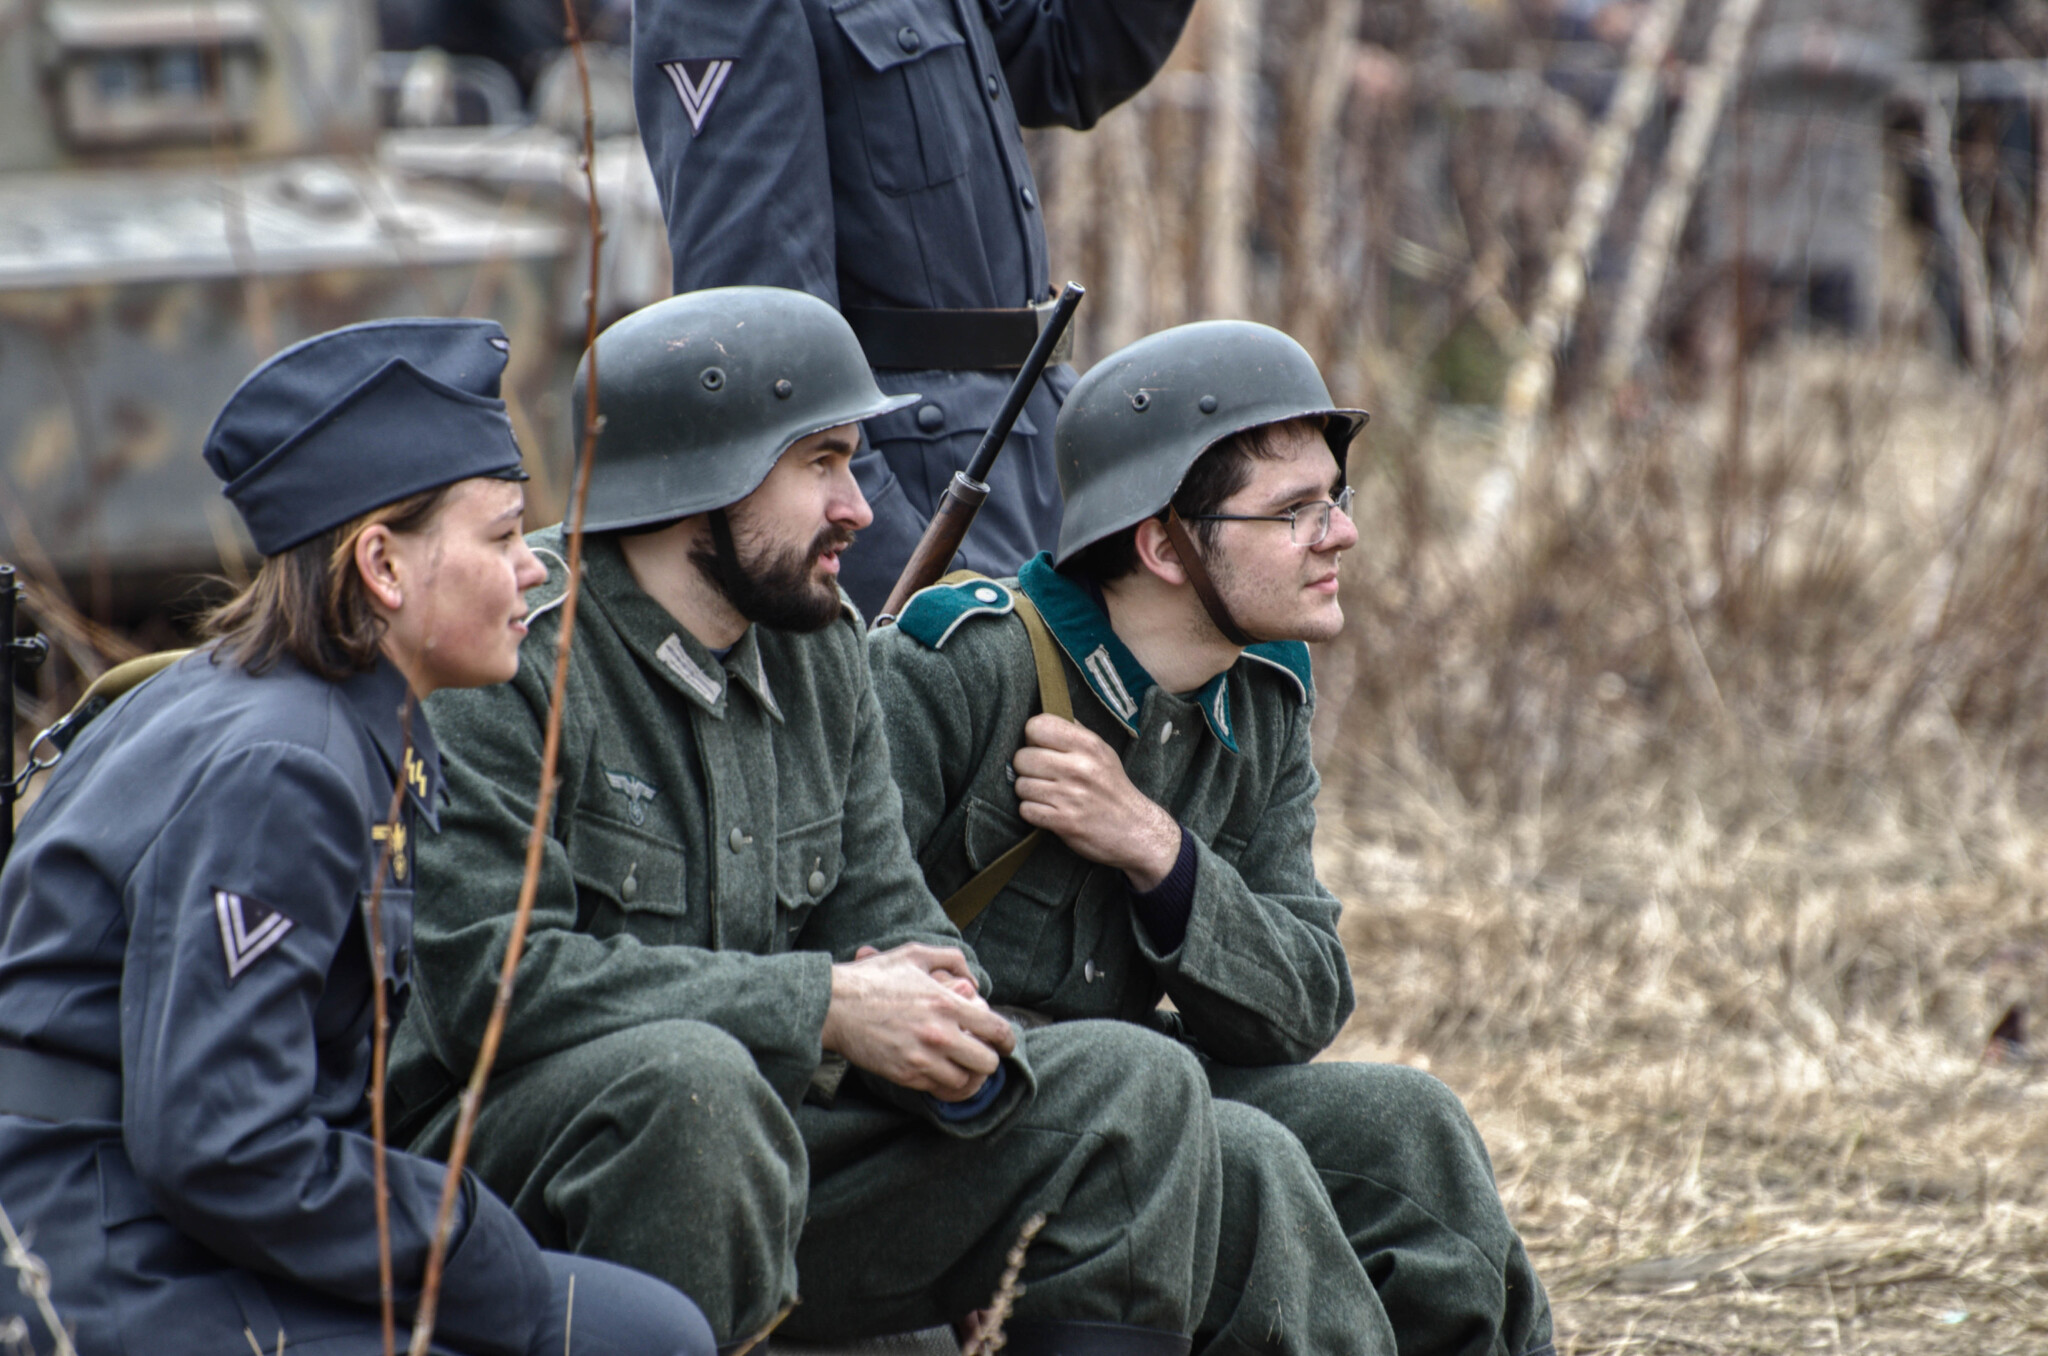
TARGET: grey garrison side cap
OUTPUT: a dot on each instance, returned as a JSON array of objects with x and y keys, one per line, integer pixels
[
  {"x": 1142, "y": 416},
  {"x": 701, "y": 394}
]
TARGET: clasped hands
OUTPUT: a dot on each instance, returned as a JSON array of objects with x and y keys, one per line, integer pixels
[{"x": 912, "y": 1014}]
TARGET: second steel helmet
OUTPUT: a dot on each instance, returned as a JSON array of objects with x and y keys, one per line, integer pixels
[
  {"x": 701, "y": 394},
  {"x": 1142, "y": 416}
]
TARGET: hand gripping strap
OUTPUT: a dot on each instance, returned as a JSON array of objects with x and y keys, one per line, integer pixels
[{"x": 965, "y": 904}]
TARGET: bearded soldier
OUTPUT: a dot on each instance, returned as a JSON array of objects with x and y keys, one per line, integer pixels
[
  {"x": 747, "y": 1048},
  {"x": 1157, "y": 844}
]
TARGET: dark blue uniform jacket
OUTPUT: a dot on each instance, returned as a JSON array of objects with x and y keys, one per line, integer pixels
[
  {"x": 186, "y": 906},
  {"x": 867, "y": 152}
]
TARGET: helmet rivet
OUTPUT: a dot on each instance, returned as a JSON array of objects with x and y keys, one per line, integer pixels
[
  {"x": 783, "y": 390},
  {"x": 1208, "y": 404},
  {"x": 714, "y": 378},
  {"x": 1141, "y": 401}
]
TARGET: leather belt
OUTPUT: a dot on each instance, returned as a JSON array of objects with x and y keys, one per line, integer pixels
[
  {"x": 953, "y": 341},
  {"x": 56, "y": 1088}
]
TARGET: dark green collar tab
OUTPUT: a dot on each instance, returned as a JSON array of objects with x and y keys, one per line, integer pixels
[
  {"x": 933, "y": 614},
  {"x": 1114, "y": 674},
  {"x": 1290, "y": 657}
]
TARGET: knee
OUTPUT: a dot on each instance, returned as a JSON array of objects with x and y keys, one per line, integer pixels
[
  {"x": 687, "y": 1083},
  {"x": 1123, "y": 1061},
  {"x": 598, "y": 1308}
]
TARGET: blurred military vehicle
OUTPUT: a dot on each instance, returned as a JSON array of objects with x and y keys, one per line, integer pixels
[{"x": 187, "y": 186}]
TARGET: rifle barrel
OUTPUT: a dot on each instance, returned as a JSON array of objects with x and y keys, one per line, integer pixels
[{"x": 1027, "y": 377}]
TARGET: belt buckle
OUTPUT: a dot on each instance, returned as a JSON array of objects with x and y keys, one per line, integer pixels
[{"x": 1062, "y": 351}]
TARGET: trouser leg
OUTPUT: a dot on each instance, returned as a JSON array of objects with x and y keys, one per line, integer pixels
[
  {"x": 1287, "y": 1282},
  {"x": 909, "y": 1225},
  {"x": 596, "y": 1308},
  {"x": 660, "y": 1148},
  {"x": 1413, "y": 1188}
]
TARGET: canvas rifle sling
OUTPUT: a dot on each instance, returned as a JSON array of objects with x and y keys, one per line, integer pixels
[{"x": 965, "y": 904}]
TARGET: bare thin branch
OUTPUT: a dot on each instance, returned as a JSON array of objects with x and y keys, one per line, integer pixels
[
  {"x": 33, "y": 1276},
  {"x": 494, "y": 1029}
]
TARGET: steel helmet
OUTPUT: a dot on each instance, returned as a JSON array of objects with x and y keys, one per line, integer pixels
[
  {"x": 1142, "y": 416},
  {"x": 701, "y": 394}
]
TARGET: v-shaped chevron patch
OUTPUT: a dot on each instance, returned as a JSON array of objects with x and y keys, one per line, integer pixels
[
  {"x": 697, "y": 85},
  {"x": 247, "y": 929}
]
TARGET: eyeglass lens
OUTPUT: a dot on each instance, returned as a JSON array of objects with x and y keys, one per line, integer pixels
[{"x": 1312, "y": 524}]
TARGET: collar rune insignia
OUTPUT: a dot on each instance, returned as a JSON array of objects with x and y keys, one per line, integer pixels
[
  {"x": 672, "y": 653},
  {"x": 697, "y": 85},
  {"x": 247, "y": 929},
  {"x": 415, "y": 774},
  {"x": 396, "y": 833},
  {"x": 636, "y": 792}
]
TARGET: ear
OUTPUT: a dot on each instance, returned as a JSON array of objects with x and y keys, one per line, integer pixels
[
  {"x": 1156, "y": 553},
  {"x": 377, "y": 563}
]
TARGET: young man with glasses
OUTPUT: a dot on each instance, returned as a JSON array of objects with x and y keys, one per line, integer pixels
[{"x": 1157, "y": 842}]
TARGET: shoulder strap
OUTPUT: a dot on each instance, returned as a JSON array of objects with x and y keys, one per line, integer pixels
[{"x": 965, "y": 904}]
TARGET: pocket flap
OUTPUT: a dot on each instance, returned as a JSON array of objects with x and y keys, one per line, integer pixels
[
  {"x": 888, "y": 33},
  {"x": 633, "y": 868},
  {"x": 807, "y": 862}
]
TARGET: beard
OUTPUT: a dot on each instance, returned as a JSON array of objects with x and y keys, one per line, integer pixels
[{"x": 775, "y": 588}]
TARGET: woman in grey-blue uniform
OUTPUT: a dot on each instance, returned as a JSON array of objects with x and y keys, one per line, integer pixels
[{"x": 185, "y": 970}]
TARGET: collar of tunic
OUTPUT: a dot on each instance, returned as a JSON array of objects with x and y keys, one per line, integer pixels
[
  {"x": 379, "y": 698},
  {"x": 662, "y": 643},
  {"x": 1114, "y": 674}
]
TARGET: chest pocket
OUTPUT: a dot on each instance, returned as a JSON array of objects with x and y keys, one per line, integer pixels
[
  {"x": 807, "y": 862},
  {"x": 913, "y": 87},
  {"x": 630, "y": 874}
]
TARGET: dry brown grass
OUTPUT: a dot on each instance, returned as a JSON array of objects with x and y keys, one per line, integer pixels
[{"x": 1695, "y": 837}]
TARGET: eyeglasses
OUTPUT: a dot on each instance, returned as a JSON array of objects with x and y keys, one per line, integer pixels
[{"x": 1306, "y": 526}]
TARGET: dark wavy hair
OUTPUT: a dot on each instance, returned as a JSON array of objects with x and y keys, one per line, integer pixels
[{"x": 309, "y": 602}]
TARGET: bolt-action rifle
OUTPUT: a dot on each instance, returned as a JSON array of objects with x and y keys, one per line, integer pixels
[{"x": 969, "y": 490}]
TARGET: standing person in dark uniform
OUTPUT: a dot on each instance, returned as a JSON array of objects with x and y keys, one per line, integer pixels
[
  {"x": 185, "y": 975},
  {"x": 868, "y": 153}
]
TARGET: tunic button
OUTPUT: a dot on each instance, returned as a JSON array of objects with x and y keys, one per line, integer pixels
[
  {"x": 907, "y": 38},
  {"x": 985, "y": 594},
  {"x": 629, "y": 888},
  {"x": 816, "y": 884},
  {"x": 1088, "y": 971},
  {"x": 1030, "y": 198},
  {"x": 1166, "y": 732},
  {"x": 994, "y": 87},
  {"x": 401, "y": 961},
  {"x": 930, "y": 418},
  {"x": 737, "y": 839}
]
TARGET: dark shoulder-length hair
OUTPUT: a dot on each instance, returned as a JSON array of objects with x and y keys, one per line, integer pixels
[{"x": 310, "y": 602}]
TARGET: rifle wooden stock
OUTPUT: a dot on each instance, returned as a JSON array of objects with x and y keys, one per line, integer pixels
[{"x": 939, "y": 544}]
